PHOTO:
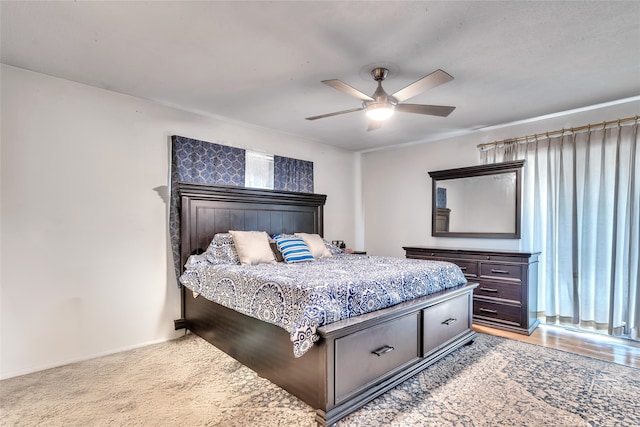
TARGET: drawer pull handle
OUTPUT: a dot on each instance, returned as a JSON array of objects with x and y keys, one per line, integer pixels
[
  {"x": 383, "y": 350},
  {"x": 495, "y": 270},
  {"x": 486, "y": 310},
  {"x": 495, "y": 291},
  {"x": 449, "y": 321},
  {"x": 463, "y": 268}
]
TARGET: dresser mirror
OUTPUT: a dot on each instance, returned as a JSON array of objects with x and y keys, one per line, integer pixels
[{"x": 478, "y": 201}]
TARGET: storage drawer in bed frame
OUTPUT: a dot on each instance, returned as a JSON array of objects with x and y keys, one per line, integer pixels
[
  {"x": 379, "y": 351},
  {"x": 444, "y": 322},
  {"x": 406, "y": 339},
  {"x": 366, "y": 356}
]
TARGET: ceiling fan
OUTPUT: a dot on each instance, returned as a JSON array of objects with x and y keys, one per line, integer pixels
[{"x": 380, "y": 106}]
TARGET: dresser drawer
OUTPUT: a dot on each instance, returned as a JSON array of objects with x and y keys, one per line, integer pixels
[
  {"x": 370, "y": 355},
  {"x": 500, "y": 271},
  {"x": 443, "y": 322},
  {"x": 495, "y": 312},
  {"x": 498, "y": 258},
  {"x": 499, "y": 290},
  {"x": 469, "y": 268},
  {"x": 433, "y": 255}
]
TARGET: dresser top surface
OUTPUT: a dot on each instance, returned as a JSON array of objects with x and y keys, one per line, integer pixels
[{"x": 471, "y": 251}]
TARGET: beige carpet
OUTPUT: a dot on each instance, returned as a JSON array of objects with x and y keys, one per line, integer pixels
[{"x": 188, "y": 382}]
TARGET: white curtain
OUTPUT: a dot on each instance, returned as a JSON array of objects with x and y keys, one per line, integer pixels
[{"x": 581, "y": 209}]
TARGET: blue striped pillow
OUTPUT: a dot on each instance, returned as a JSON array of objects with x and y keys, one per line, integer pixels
[{"x": 293, "y": 249}]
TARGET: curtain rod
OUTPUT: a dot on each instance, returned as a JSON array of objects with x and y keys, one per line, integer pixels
[{"x": 557, "y": 132}]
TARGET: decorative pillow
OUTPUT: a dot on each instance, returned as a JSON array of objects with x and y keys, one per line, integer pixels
[
  {"x": 222, "y": 250},
  {"x": 276, "y": 251},
  {"x": 332, "y": 248},
  {"x": 315, "y": 244},
  {"x": 253, "y": 247},
  {"x": 287, "y": 236},
  {"x": 293, "y": 249}
]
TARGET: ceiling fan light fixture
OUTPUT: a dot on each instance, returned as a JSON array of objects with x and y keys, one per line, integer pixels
[{"x": 380, "y": 111}]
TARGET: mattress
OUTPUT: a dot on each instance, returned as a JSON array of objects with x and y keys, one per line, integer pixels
[{"x": 301, "y": 297}]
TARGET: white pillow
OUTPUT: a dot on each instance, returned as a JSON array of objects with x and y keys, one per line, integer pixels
[
  {"x": 253, "y": 247},
  {"x": 315, "y": 244}
]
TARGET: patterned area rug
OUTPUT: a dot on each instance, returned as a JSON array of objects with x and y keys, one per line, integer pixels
[{"x": 188, "y": 382}]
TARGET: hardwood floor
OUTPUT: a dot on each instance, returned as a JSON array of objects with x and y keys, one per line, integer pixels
[{"x": 624, "y": 352}]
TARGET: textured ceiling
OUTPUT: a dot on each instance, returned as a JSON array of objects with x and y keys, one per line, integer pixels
[{"x": 261, "y": 63}]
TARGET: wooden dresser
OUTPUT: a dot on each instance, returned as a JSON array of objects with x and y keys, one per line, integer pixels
[{"x": 507, "y": 295}]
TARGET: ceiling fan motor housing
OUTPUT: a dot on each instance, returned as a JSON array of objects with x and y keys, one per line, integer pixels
[
  {"x": 379, "y": 73},
  {"x": 381, "y": 100}
]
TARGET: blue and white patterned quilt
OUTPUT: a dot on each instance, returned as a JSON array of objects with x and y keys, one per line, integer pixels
[{"x": 301, "y": 297}]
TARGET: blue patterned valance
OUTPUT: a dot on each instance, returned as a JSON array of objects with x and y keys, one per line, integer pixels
[
  {"x": 441, "y": 197},
  {"x": 292, "y": 174},
  {"x": 204, "y": 162}
]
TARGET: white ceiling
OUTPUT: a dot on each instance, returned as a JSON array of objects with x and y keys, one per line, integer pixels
[{"x": 261, "y": 63}]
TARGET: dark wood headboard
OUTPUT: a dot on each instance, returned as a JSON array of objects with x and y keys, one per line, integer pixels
[{"x": 210, "y": 209}]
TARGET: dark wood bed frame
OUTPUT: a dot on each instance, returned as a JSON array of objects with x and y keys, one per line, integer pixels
[{"x": 332, "y": 376}]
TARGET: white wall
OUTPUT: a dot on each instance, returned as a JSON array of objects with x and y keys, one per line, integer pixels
[
  {"x": 397, "y": 202},
  {"x": 85, "y": 259}
]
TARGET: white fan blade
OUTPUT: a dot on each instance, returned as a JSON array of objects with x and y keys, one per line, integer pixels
[
  {"x": 345, "y": 88},
  {"x": 432, "y": 110},
  {"x": 432, "y": 80},
  {"x": 322, "y": 116}
]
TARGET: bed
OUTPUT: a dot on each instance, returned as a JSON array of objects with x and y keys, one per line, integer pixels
[{"x": 353, "y": 360}]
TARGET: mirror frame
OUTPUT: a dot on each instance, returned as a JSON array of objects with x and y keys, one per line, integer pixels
[{"x": 489, "y": 169}]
